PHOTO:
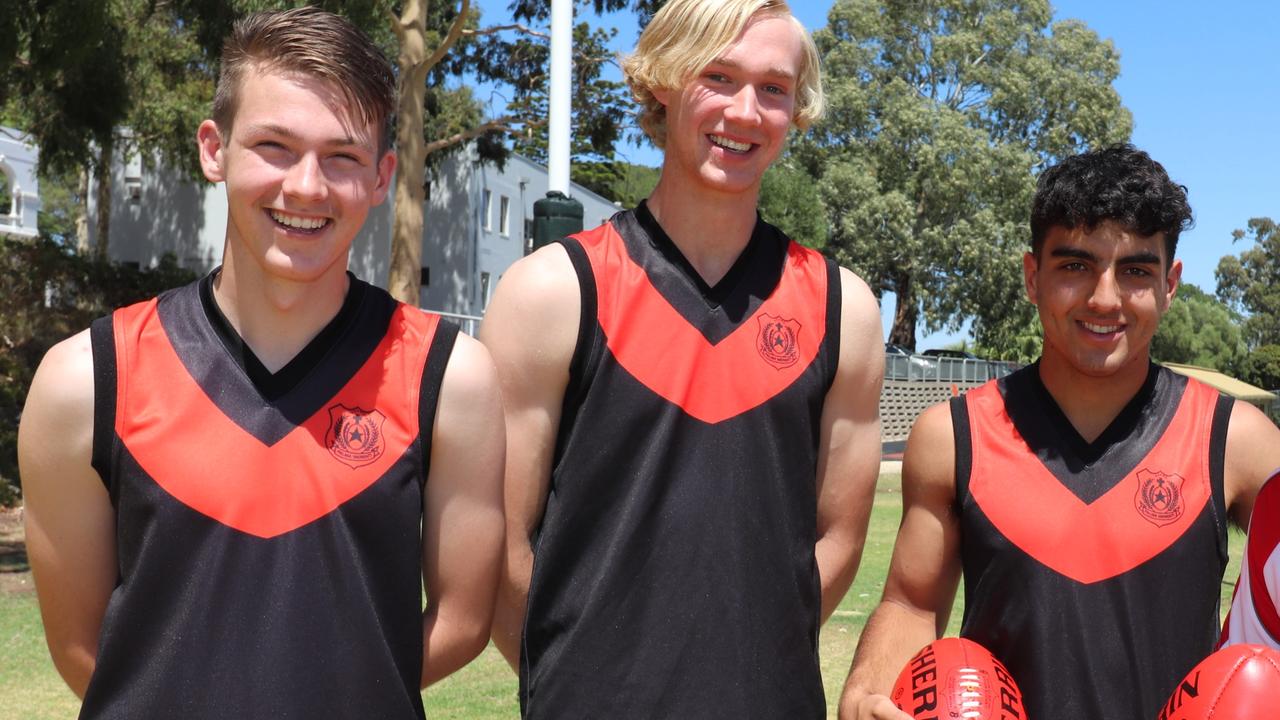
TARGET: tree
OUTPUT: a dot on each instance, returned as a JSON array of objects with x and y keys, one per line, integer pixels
[
  {"x": 790, "y": 199},
  {"x": 1262, "y": 367},
  {"x": 1249, "y": 283},
  {"x": 1199, "y": 330},
  {"x": 941, "y": 112}
]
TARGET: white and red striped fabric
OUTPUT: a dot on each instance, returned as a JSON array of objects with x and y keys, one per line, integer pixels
[{"x": 1255, "y": 607}]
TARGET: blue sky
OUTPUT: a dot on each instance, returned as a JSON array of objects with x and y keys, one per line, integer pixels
[{"x": 1199, "y": 78}]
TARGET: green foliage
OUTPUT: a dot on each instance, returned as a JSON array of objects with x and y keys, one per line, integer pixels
[
  {"x": 619, "y": 181},
  {"x": 790, "y": 199},
  {"x": 940, "y": 115},
  {"x": 1262, "y": 367},
  {"x": 1199, "y": 330},
  {"x": 1249, "y": 283},
  {"x": 48, "y": 293},
  {"x": 6, "y": 194}
]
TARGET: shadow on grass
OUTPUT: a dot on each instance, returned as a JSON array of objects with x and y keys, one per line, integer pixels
[{"x": 13, "y": 557}]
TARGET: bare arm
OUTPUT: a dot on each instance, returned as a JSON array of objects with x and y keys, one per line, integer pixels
[
  {"x": 531, "y": 329},
  {"x": 70, "y": 524},
  {"x": 849, "y": 447},
  {"x": 462, "y": 513},
  {"x": 1253, "y": 454},
  {"x": 923, "y": 573}
]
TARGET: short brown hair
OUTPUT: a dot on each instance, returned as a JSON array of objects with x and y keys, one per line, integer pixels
[
  {"x": 687, "y": 35},
  {"x": 311, "y": 42}
]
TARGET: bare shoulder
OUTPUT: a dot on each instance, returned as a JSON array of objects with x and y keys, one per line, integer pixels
[
  {"x": 470, "y": 381},
  {"x": 861, "y": 336},
  {"x": 531, "y": 325},
  {"x": 1253, "y": 454},
  {"x": 928, "y": 466},
  {"x": 543, "y": 280},
  {"x": 61, "y": 395}
]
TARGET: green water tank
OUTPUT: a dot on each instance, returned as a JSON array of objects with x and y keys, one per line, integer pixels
[{"x": 555, "y": 217}]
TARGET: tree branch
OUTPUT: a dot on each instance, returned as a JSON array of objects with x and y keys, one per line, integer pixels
[
  {"x": 525, "y": 29},
  {"x": 455, "y": 31},
  {"x": 503, "y": 123}
]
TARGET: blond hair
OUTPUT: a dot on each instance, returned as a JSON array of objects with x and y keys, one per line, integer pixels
[
  {"x": 314, "y": 43},
  {"x": 687, "y": 35}
]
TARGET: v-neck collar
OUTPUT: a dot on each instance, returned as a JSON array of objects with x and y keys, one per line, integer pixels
[
  {"x": 273, "y": 386},
  {"x": 1118, "y": 430},
  {"x": 715, "y": 295}
]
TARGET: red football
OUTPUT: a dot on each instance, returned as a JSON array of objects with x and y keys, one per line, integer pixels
[
  {"x": 1241, "y": 682},
  {"x": 958, "y": 679}
]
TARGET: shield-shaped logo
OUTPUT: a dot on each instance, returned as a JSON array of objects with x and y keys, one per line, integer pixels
[
  {"x": 355, "y": 436},
  {"x": 777, "y": 341},
  {"x": 1159, "y": 497}
]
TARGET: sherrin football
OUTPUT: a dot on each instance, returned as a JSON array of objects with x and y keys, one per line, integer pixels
[
  {"x": 957, "y": 679},
  {"x": 1240, "y": 682}
]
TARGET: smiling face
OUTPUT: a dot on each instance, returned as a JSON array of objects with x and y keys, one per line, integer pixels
[
  {"x": 730, "y": 121},
  {"x": 301, "y": 174},
  {"x": 1100, "y": 294}
]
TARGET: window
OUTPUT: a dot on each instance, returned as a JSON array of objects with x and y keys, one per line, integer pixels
[
  {"x": 424, "y": 278},
  {"x": 486, "y": 220},
  {"x": 504, "y": 204},
  {"x": 485, "y": 293}
]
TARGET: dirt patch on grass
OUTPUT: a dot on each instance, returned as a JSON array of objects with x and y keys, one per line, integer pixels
[{"x": 15, "y": 572}]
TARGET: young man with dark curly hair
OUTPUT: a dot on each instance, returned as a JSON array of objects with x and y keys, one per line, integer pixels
[
  {"x": 692, "y": 409},
  {"x": 1085, "y": 498},
  {"x": 236, "y": 491}
]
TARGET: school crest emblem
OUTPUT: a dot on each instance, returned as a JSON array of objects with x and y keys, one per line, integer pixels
[
  {"x": 1159, "y": 497},
  {"x": 777, "y": 341},
  {"x": 355, "y": 435}
]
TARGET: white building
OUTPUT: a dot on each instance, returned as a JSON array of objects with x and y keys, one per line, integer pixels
[
  {"x": 18, "y": 159},
  {"x": 478, "y": 220}
]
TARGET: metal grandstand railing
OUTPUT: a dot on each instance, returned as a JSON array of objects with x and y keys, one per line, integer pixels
[{"x": 944, "y": 369}]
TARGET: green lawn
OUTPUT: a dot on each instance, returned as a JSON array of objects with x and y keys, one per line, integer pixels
[{"x": 484, "y": 690}]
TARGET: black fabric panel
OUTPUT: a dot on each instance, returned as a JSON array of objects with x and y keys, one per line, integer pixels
[
  {"x": 1217, "y": 463},
  {"x": 208, "y": 623},
  {"x": 432, "y": 382},
  {"x": 964, "y": 448},
  {"x": 715, "y": 311},
  {"x": 1089, "y": 470},
  {"x": 102, "y": 340},
  {"x": 590, "y": 343},
  {"x": 227, "y": 383},
  {"x": 835, "y": 309},
  {"x": 1112, "y": 650}
]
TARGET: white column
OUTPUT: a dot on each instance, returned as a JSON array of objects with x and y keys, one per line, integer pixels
[{"x": 561, "y": 91}]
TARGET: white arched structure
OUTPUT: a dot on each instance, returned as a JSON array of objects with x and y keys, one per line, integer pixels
[{"x": 18, "y": 159}]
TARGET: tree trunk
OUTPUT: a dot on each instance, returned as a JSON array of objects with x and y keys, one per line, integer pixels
[
  {"x": 405, "y": 274},
  {"x": 904, "y": 313},
  {"x": 82, "y": 212},
  {"x": 103, "y": 229}
]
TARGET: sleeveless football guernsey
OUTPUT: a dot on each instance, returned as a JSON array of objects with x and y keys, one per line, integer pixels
[
  {"x": 267, "y": 525},
  {"x": 1255, "y": 607},
  {"x": 1092, "y": 570},
  {"x": 674, "y": 572}
]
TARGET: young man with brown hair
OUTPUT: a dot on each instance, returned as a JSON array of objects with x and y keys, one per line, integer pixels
[
  {"x": 692, "y": 409},
  {"x": 1085, "y": 497},
  {"x": 235, "y": 491}
]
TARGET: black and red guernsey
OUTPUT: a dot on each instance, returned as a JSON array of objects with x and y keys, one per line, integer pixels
[
  {"x": 267, "y": 525},
  {"x": 1092, "y": 570},
  {"x": 674, "y": 572}
]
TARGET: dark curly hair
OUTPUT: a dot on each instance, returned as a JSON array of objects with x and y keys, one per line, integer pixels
[{"x": 1119, "y": 183}]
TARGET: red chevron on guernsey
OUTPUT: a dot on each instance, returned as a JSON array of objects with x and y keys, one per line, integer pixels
[
  {"x": 240, "y": 482},
  {"x": 1113, "y": 534},
  {"x": 659, "y": 348}
]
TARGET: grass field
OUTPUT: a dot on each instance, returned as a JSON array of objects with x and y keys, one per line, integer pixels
[{"x": 30, "y": 689}]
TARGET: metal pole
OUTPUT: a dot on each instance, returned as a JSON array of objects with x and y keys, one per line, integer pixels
[{"x": 561, "y": 91}]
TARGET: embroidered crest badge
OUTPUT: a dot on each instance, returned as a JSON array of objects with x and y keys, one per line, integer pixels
[
  {"x": 355, "y": 436},
  {"x": 1159, "y": 497},
  {"x": 777, "y": 341}
]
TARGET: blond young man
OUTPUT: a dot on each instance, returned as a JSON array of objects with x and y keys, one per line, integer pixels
[
  {"x": 692, "y": 409},
  {"x": 235, "y": 491}
]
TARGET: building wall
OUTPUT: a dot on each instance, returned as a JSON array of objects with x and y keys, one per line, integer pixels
[{"x": 18, "y": 160}]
